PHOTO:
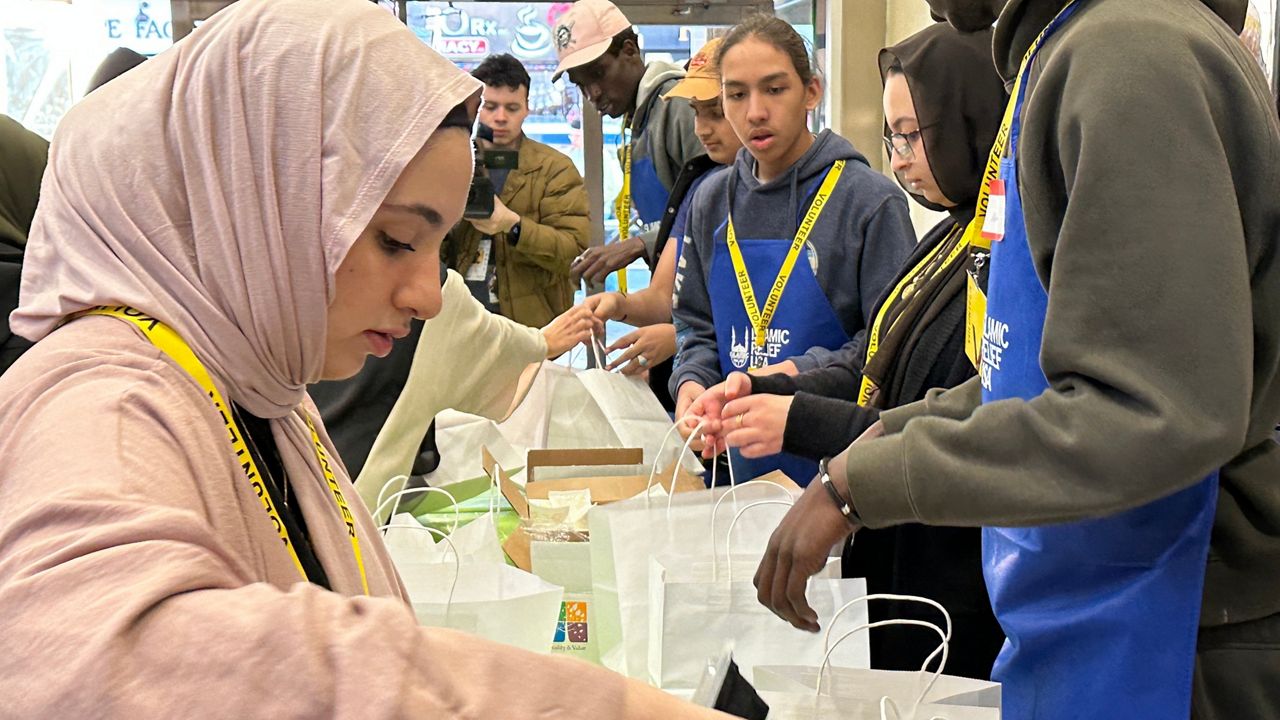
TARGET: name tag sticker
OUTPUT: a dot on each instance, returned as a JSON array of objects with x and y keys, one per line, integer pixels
[
  {"x": 479, "y": 269},
  {"x": 993, "y": 225}
]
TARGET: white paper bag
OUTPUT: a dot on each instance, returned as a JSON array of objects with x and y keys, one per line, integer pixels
[
  {"x": 497, "y": 602},
  {"x": 485, "y": 598},
  {"x": 895, "y": 695},
  {"x": 858, "y": 693},
  {"x": 696, "y": 608},
  {"x": 477, "y": 541},
  {"x": 627, "y": 534},
  {"x": 568, "y": 564},
  {"x": 459, "y": 438}
]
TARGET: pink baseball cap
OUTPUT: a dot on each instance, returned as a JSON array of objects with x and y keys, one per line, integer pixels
[{"x": 584, "y": 32}]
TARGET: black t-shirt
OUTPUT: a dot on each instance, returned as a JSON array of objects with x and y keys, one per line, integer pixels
[{"x": 262, "y": 446}]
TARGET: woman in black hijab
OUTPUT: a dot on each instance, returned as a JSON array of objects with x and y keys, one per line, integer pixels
[{"x": 943, "y": 103}]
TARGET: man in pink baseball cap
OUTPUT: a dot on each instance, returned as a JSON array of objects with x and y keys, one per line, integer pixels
[{"x": 599, "y": 49}]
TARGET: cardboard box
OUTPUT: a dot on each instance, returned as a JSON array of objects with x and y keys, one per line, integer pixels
[{"x": 604, "y": 488}]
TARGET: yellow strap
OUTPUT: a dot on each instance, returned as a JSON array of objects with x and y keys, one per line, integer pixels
[
  {"x": 973, "y": 234},
  {"x": 760, "y": 319},
  {"x": 347, "y": 518},
  {"x": 172, "y": 344},
  {"x": 975, "y": 307},
  {"x": 874, "y": 335},
  {"x": 622, "y": 204}
]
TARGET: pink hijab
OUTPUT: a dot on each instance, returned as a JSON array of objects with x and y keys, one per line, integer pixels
[{"x": 219, "y": 186}]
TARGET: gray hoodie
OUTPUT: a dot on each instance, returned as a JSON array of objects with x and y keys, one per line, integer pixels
[
  {"x": 662, "y": 131},
  {"x": 861, "y": 238}
]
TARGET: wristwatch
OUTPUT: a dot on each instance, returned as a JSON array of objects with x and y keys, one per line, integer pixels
[
  {"x": 513, "y": 235},
  {"x": 843, "y": 505}
]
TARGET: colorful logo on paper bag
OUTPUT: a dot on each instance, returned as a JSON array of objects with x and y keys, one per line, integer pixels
[{"x": 572, "y": 625}]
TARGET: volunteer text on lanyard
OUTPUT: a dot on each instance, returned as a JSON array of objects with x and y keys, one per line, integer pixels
[
  {"x": 172, "y": 344},
  {"x": 989, "y": 218},
  {"x": 760, "y": 318}
]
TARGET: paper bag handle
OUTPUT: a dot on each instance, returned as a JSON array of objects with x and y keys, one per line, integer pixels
[
  {"x": 595, "y": 350},
  {"x": 457, "y": 561},
  {"x": 457, "y": 514},
  {"x": 943, "y": 648},
  {"x": 675, "y": 472},
  {"x": 728, "y": 539},
  {"x": 403, "y": 479},
  {"x": 887, "y": 596},
  {"x": 733, "y": 490}
]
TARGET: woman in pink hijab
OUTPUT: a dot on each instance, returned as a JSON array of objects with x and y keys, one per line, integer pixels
[{"x": 258, "y": 208}]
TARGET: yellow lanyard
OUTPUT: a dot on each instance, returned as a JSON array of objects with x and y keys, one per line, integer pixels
[
  {"x": 874, "y": 335},
  {"x": 760, "y": 319},
  {"x": 622, "y": 203},
  {"x": 976, "y": 302},
  {"x": 172, "y": 344}
]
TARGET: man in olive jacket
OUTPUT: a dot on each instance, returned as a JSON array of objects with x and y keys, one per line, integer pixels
[{"x": 516, "y": 261}]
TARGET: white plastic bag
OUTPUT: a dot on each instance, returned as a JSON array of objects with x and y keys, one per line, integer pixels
[{"x": 568, "y": 408}]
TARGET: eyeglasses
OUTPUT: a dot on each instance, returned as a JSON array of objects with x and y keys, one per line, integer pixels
[{"x": 902, "y": 143}]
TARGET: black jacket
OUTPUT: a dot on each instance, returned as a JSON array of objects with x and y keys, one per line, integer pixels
[{"x": 660, "y": 374}]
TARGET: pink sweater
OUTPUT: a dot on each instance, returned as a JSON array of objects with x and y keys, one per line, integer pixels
[{"x": 140, "y": 577}]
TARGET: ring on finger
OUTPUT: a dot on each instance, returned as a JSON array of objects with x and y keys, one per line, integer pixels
[
  {"x": 642, "y": 361},
  {"x": 740, "y": 416}
]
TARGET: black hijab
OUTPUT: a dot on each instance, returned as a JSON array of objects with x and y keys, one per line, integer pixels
[{"x": 959, "y": 99}]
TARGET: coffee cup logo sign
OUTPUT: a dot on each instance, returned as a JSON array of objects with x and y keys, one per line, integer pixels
[
  {"x": 533, "y": 39},
  {"x": 469, "y": 32}
]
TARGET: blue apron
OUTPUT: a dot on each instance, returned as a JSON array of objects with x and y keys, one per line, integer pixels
[
  {"x": 648, "y": 194},
  {"x": 1101, "y": 615},
  {"x": 804, "y": 319}
]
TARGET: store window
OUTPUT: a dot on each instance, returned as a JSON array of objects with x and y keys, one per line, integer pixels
[
  {"x": 1260, "y": 34},
  {"x": 467, "y": 32},
  {"x": 49, "y": 50}
]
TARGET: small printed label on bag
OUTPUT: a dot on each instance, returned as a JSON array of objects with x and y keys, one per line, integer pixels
[{"x": 573, "y": 629}]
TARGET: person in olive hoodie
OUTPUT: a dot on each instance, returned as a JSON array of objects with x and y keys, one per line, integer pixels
[{"x": 1132, "y": 501}]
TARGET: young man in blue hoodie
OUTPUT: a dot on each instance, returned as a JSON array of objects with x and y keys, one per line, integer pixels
[
  {"x": 788, "y": 250},
  {"x": 599, "y": 49}
]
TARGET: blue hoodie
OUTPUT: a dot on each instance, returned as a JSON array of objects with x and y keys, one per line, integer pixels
[{"x": 863, "y": 235}]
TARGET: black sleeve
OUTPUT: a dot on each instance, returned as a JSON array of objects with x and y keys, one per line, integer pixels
[
  {"x": 819, "y": 427},
  {"x": 838, "y": 381}
]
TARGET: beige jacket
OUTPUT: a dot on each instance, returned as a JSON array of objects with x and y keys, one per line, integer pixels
[{"x": 468, "y": 359}]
